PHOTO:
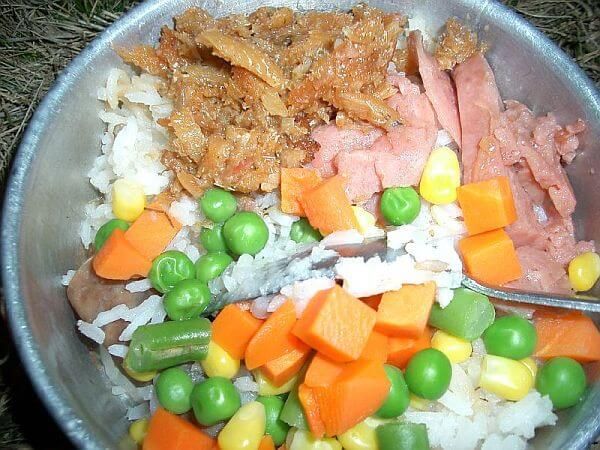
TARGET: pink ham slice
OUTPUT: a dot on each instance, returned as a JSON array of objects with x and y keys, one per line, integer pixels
[
  {"x": 541, "y": 273},
  {"x": 438, "y": 87},
  {"x": 479, "y": 106},
  {"x": 333, "y": 140},
  {"x": 371, "y": 160}
]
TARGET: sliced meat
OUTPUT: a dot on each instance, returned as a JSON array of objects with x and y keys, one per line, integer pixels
[
  {"x": 536, "y": 142},
  {"x": 90, "y": 295},
  {"x": 488, "y": 163},
  {"x": 541, "y": 272},
  {"x": 526, "y": 230},
  {"x": 402, "y": 155},
  {"x": 413, "y": 107},
  {"x": 359, "y": 169},
  {"x": 332, "y": 140},
  {"x": 479, "y": 106},
  {"x": 438, "y": 87},
  {"x": 561, "y": 244}
]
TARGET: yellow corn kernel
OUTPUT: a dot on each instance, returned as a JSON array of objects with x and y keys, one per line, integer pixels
[
  {"x": 531, "y": 365},
  {"x": 584, "y": 271},
  {"x": 142, "y": 377},
  {"x": 138, "y": 429},
  {"x": 456, "y": 349},
  {"x": 265, "y": 387},
  {"x": 218, "y": 363},
  {"x": 304, "y": 440},
  {"x": 245, "y": 429},
  {"x": 128, "y": 200},
  {"x": 507, "y": 378},
  {"x": 419, "y": 403},
  {"x": 360, "y": 437},
  {"x": 366, "y": 220},
  {"x": 441, "y": 177}
]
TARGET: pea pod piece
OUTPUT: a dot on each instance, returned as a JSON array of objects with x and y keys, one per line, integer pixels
[
  {"x": 467, "y": 316},
  {"x": 275, "y": 427},
  {"x": 402, "y": 436},
  {"x": 292, "y": 412},
  {"x": 168, "y": 344}
]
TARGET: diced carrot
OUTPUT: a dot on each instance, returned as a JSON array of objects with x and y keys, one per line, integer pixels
[
  {"x": 490, "y": 257},
  {"x": 168, "y": 431},
  {"x": 376, "y": 348},
  {"x": 373, "y": 301},
  {"x": 119, "y": 260},
  {"x": 487, "y": 205},
  {"x": 311, "y": 410},
  {"x": 151, "y": 232},
  {"x": 405, "y": 312},
  {"x": 273, "y": 339},
  {"x": 357, "y": 393},
  {"x": 336, "y": 324},
  {"x": 293, "y": 184},
  {"x": 401, "y": 349},
  {"x": 267, "y": 443},
  {"x": 322, "y": 371},
  {"x": 233, "y": 328},
  {"x": 327, "y": 206},
  {"x": 280, "y": 370},
  {"x": 571, "y": 334}
]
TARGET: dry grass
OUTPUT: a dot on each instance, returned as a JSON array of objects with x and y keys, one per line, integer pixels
[{"x": 39, "y": 37}]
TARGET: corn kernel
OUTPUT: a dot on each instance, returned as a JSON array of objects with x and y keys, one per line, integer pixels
[
  {"x": 218, "y": 363},
  {"x": 128, "y": 200},
  {"x": 584, "y": 271},
  {"x": 419, "y": 403},
  {"x": 245, "y": 429},
  {"x": 441, "y": 177},
  {"x": 456, "y": 349},
  {"x": 360, "y": 437},
  {"x": 265, "y": 387},
  {"x": 531, "y": 365},
  {"x": 506, "y": 378},
  {"x": 366, "y": 220},
  {"x": 304, "y": 440},
  {"x": 142, "y": 377},
  {"x": 138, "y": 429}
]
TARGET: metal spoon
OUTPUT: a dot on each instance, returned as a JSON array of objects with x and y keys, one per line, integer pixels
[{"x": 271, "y": 276}]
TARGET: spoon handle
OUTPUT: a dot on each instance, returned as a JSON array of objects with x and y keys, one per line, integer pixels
[{"x": 580, "y": 303}]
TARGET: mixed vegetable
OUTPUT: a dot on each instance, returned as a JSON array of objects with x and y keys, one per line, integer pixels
[{"x": 343, "y": 373}]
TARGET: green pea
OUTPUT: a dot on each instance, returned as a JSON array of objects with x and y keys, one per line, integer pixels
[
  {"x": 563, "y": 380},
  {"x": 400, "y": 205},
  {"x": 211, "y": 265},
  {"x": 246, "y": 232},
  {"x": 173, "y": 390},
  {"x": 402, "y": 436},
  {"x": 106, "y": 230},
  {"x": 302, "y": 232},
  {"x": 275, "y": 427},
  {"x": 398, "y": 398},
  {"x": 212, "y": 238},
  {"x": 215, "y": 399},
  {"x": 428, "y": 374},
  {"x": 510, "y": 336},
  {"x": 218, "y": 205},
  {"x": 169, "y": 268},
  {"x": 187, "y": 299}
]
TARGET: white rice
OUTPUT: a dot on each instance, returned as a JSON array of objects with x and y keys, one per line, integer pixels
[
  {"x": 142, "y": 285},
  {"x": 91, "y": 331}
]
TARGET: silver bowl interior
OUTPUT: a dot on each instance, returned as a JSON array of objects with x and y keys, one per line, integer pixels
[{"x": 48, "y": 189}]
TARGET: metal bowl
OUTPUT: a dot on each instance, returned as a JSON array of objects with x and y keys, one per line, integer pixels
[{"x": 48, "y": 189}]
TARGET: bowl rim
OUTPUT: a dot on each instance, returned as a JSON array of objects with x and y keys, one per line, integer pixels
[{"x": 54, "y": 399}]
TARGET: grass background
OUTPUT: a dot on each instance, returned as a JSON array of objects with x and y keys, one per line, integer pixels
[{"x": 39, "y": 37}]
